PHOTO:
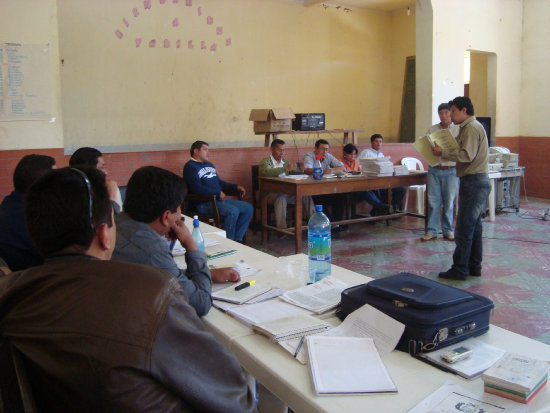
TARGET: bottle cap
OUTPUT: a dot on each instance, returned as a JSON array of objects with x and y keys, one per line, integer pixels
[
  {"x": 195, "y": 221},
  {"x": 318, "y": 208}
]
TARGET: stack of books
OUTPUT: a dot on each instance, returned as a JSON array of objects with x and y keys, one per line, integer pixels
[
  {"x": 377, "y": 166},
  {"x": 516, "y": 377}
]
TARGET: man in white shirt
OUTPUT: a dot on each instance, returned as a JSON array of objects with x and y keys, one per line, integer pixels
[
  {"x": 329, "y": 163},
  {"x": 379, "y": 197},
  {"x": 442, "y": 184},
  {"x": 274, "y": 165}
]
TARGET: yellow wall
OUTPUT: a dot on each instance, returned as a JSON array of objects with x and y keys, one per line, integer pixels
[
  {"x": 313, "y": 59},
  {"x": 34, "y": 23},
  {"x": 535, "y": 85}
]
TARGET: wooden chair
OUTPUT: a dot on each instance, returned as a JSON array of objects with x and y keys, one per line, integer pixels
[
  {"x": 256, "y": 223},
  {"x": 188, "y": 208},
  {"x": 17, "y": 396}
]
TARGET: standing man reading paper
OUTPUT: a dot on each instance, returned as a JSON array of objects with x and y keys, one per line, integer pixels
[
  {"x": 472, "y": 168},
  {"x": 442, "y": 184}
]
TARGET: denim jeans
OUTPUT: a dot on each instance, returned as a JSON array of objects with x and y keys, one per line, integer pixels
[
  {"x": 473, "y": 193},
  {"x": 236, "y": 216},
  {"x": 442, "y": 186}
]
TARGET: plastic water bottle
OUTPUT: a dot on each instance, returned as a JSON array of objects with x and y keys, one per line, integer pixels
[
  {"x": 197, "y": 235},
  {"x": 317, "y": 168},
  {"x": 318, "y": 233}
]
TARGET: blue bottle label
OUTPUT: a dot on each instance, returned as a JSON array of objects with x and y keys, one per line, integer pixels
[{"x": 317, "y": 173}]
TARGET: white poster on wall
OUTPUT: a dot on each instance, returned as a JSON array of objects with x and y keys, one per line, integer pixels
[{"x": 25, "y": 90}]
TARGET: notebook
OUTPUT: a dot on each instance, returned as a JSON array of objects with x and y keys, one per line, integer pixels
[{"x": 347, "y": 365}]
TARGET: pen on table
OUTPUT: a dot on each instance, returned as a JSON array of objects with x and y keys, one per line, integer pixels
[
  {"x": 244, "y": 285},
  {"x": 299, "y": 346}
]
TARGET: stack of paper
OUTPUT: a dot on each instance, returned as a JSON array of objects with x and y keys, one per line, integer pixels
[
  {"x": 291, "y": 327},
  {"x": 399, "y": 170},
  {"x": 347, "y": 365},
  {"x": 377, "y": 166},
  {"x": 483, "y": 356},
  {"x": 318, "y": 297},
  {"x": 516, "y": 377}
]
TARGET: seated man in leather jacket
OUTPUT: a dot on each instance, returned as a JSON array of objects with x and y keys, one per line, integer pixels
[{"x": 105, "y": 336}]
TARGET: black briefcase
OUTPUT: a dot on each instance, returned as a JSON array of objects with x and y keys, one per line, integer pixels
[{"x": 435, "y": 315}]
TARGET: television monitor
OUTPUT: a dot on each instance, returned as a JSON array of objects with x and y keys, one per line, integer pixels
[{"x": 486, "y": 122}]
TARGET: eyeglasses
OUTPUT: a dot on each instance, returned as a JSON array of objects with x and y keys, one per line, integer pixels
[{"x": 89, "y": 191}]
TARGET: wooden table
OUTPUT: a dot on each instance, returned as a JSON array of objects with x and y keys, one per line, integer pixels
[
  {"x": 346, "y": 133},
  {"x": 309, "y": 186}
]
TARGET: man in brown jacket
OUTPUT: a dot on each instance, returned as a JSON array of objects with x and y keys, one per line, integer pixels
[{"x": 106, "y": 336}]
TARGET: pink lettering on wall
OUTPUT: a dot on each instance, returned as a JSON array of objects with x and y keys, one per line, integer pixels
[
  {"x": 138, "y": 41},
  {"x": 175, "y": 22},
  {"x": 188, "y": 2},
  {"x": 199, "y": 11},
  {"x": 126, "y": 22},
  {"x": 219, "y": 30},
  {"x": 209, "y": 20},
  {"x": 135, "y": 12},
  {"x": 190, "y": 44},
  {"x": 174, "y": 1},
  {"x": 166, "y": 43},
  {"x": 213, "y": 47},
  {"x": 178, "y": 44},
  {"x": 228, "y": 41},
  {"x": 203, "y": 45},
  {"x": 152, "y": 43},
  {"x": 119, "y": 34},
  {"x": 146, "y": 4},
  {"x": 162, "y": 1}
]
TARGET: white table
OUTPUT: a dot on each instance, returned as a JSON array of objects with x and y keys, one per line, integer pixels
[{"x": 286, "y": 382}]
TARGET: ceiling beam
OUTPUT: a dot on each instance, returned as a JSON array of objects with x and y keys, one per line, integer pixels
[{"x": 312, "y": 2}]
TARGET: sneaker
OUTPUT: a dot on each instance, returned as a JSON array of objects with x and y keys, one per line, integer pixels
[
  {"x": 450, "y": 236},
  {"x": 475, "y": 273},
  {"x": 453, "y": 275},
  {"x": 428, "y": 237}
]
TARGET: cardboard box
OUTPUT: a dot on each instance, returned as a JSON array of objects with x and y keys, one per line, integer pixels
[{"x": 272, "y": 120}]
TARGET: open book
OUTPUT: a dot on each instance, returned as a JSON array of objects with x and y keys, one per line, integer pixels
[
  {"x": 442, "y": 137},
  {"x": 318, "y": 297},
  {"x": 347, "y": 365}
]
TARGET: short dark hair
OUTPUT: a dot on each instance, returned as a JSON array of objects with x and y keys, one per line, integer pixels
[
  {"x": 151, "y": 191},
  {"x": 277, "y": 142},
  {"x": 85, "y": 156},
  {"x": 350, "y": 148},
  {"x": 29, "y": 169},
  {"x": 57, "y": 209},
  {"x": 321, "y": 142},
  {"x": 443, "y": 106},
  {"x": 197, "y": 145},
  {"x": 375, "y": 136},
  {"x": 462, "y": 102}
]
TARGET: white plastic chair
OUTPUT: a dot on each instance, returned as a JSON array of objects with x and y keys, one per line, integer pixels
[{"x": 414, "y": 164}]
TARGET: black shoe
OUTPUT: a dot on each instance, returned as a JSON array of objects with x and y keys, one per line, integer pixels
[
  {"x": 453, "y": 275},
  {"x": 475, "y": 273}
]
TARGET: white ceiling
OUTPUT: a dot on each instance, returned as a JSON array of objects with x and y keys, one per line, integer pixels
[{"x": 382, "y": 5}]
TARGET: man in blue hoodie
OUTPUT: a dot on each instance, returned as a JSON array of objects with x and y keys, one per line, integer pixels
[{"x": 201, "y": 178}]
